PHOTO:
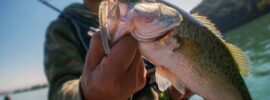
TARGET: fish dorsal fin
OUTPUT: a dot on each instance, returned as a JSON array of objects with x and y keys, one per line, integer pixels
[
  {"x": 207, "y": 23},
  {"x": 240, "y": 58}
]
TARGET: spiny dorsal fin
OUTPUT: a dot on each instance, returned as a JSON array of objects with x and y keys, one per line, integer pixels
[
  {"x": 240, "y": 58},
  {"x": 211, "y": 26}
]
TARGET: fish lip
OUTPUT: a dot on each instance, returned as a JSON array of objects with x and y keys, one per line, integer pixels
[
  {"x": 141, "y": 38},
  {"x": 165, "y": 34}
]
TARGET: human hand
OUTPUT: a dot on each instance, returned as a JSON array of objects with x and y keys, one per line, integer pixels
[{"x": 116, "y": 76}]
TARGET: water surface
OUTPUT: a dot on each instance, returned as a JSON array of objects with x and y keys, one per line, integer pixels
[{"x": 254, "y": 39}]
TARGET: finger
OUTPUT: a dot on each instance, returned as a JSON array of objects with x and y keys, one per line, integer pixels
[
  {"x": 120, "y": 57},
  {"x": 134, "y": 77},
  {"x": 95, "y": 52},
  {"x": 139, "y": 68},
  {"x": 142, "y": 72},
  {"x": 135, "y": 63}
]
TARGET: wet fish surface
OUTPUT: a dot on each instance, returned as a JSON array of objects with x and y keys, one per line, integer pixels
[{"x": 188, "y": 48}]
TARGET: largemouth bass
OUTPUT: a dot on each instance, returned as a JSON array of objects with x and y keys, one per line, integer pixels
[{"x": 188, "y": 49}]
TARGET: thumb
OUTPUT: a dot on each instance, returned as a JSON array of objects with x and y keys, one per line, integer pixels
[{"x": 95, "y": 52}]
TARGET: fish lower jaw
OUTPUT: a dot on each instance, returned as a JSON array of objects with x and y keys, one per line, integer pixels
[{"x": 147, "y": 38}]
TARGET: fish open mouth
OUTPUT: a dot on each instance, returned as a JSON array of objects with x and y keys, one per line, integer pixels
[{"x": 153, "y": 20}]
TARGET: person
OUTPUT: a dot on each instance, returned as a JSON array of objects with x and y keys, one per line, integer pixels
[
  {"x": 7, "y": 97},
  {"x": 77, "y": 68}
]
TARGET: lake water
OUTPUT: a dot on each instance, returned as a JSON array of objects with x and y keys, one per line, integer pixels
[
  {"x": 253, "y": 38},
  {"x": 30, "y": 95}
]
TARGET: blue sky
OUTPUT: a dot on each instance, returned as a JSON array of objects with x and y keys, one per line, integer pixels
[{"x": 22, "y": 33}]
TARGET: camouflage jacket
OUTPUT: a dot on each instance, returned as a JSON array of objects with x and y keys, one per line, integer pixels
[{"x": 65, "y": 50}]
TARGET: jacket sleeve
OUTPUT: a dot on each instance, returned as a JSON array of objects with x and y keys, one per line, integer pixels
[{"x": 63, "y": 60}]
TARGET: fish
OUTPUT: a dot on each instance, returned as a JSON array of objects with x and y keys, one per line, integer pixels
[{"x": 187, "y": 48}]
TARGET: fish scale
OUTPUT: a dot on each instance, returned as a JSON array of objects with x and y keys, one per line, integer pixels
[{"x": 209, "y": 46}]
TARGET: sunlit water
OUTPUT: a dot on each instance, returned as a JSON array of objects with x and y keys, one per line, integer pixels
[{"x": 253, "y": 38}]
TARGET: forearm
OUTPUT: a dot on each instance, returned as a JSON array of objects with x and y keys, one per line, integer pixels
[
  {"x": 70, "y": 90},
  {"x": 65, "y": 88}
]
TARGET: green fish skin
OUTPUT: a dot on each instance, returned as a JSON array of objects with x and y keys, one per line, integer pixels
[{"x": 188, "y": 49}]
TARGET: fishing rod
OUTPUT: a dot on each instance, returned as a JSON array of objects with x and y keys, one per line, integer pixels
[
  {"x": 50, "y": 5},
  {"x": 104, "y": 35},
  {"x": 66, "y": 15},
  {"x": 75, "y": 20}
]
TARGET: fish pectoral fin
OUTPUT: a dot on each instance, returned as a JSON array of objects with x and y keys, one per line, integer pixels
[
  {"x": 241, "y": 59},
  {"x": 168, "y": 79},
  {"x": 163, "y": 82}
]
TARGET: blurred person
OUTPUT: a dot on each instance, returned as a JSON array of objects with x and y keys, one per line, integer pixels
[
  {"x": 7, "y": 97},
  {"x": 78, "y": 69}
]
